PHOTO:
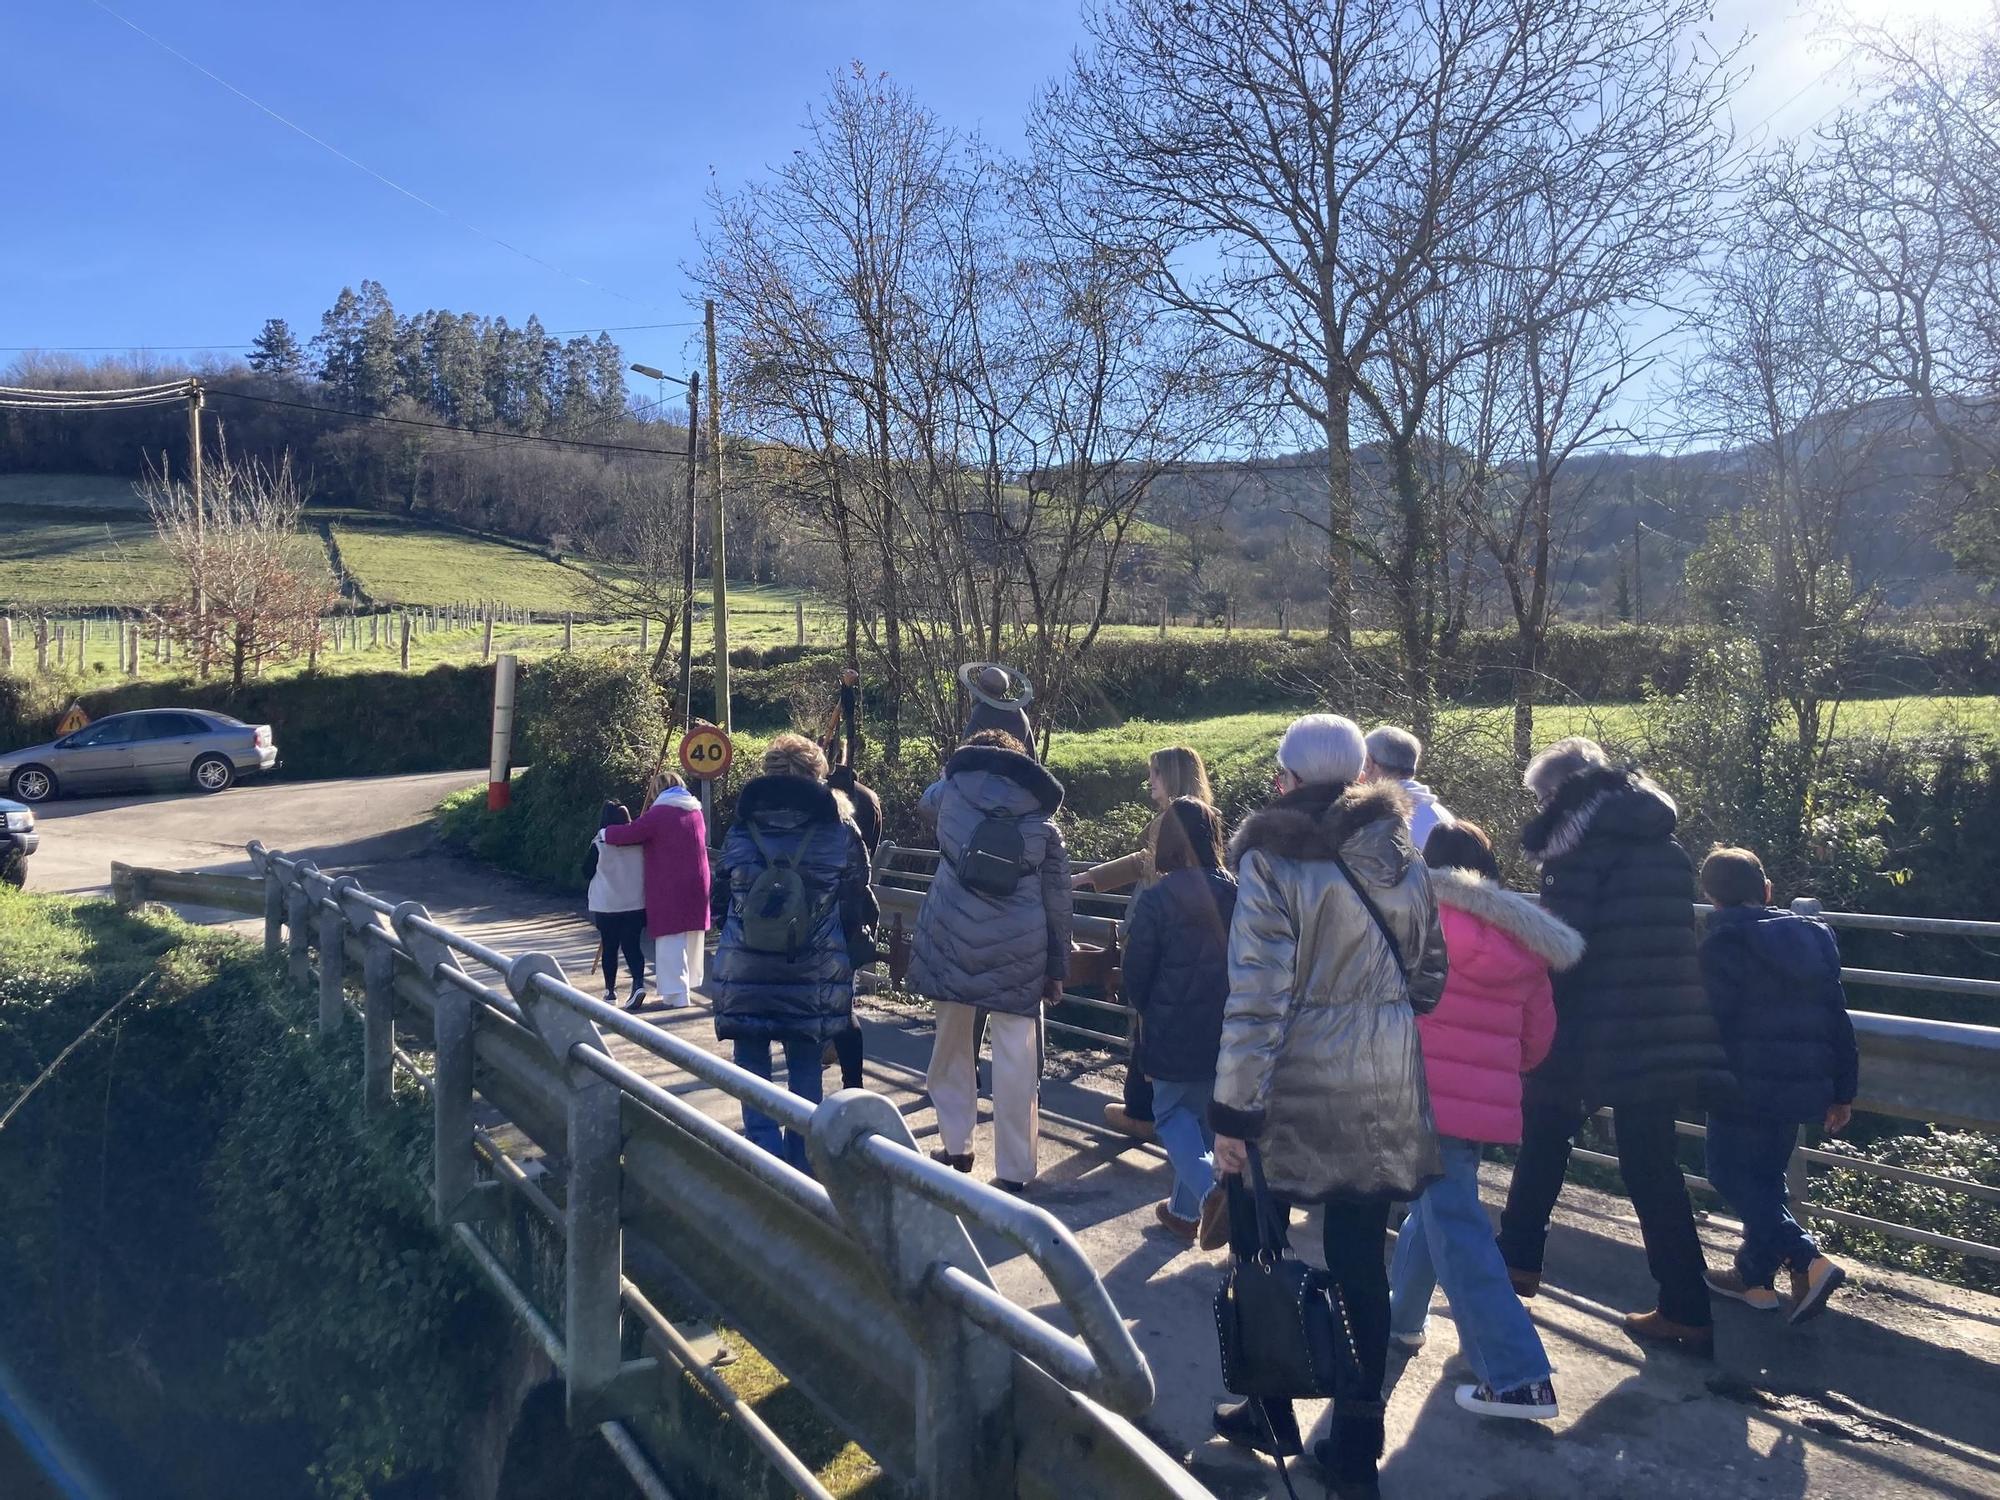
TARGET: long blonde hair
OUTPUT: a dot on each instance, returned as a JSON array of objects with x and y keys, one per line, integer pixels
[{"x": 1181, "y": 772}]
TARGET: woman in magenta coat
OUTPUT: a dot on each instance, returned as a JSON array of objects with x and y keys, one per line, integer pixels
[
  {"x": 1495, "y": 1021},
  {"x": 675, "y": 839}
]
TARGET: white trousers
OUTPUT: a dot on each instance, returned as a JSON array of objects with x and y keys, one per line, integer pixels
[
  {"x": 1017, "y": 1079},
  {"x": 677, "y": 966}
]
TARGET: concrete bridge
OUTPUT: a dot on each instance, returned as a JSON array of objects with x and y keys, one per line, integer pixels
[{"x": 974, "y": 1345}]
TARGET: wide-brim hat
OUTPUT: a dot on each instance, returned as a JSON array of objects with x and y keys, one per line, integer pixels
[{"x": 1020, "y": 692}]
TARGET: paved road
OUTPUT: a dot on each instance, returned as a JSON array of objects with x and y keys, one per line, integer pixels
[{"x": 1895, "y": 1393}]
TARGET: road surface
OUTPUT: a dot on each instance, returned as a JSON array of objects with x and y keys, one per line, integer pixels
[{"x": 1895, "y": 1393}]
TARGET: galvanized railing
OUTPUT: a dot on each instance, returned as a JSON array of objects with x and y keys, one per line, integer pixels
[
  {"x": 1938, "y": 1072},
  {"x": 860, "y": 1282}
]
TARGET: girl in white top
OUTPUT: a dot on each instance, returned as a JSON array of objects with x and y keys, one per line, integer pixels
[{"x": 618, "y": 906}]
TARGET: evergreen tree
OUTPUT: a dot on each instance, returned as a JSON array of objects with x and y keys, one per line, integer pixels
[
  {"x": 337, "y": 347},
  {"x": 610, "y": 377},
  {"x": 377, "y": 380},
  {"x": 275, "y": 351}
]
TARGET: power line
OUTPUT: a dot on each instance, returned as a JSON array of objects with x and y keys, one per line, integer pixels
[
  {"x": 146, "y": 348},
  {"x": 362, "y": 166},
  {"x": 446, "y": 427}
]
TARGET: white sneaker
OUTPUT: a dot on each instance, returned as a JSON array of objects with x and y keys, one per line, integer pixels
[
  {"x": 1410, "y": 1341},
  {"x": 1527, "y": 1403}
]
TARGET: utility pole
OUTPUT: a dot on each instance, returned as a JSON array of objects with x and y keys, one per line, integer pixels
[
  {"x": 200, "y": 520},
  {"x": 718, "y": 547},
  {"x": 687, "y": 573}
]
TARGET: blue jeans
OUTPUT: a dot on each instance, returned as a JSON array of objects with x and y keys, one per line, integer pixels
[
  {"x": 1448, "y": 1238},
  {"x": 1180, "y": 1120},
  {"x": 1746, "y": 1162},
  {"x": 802, "y": 1076}
]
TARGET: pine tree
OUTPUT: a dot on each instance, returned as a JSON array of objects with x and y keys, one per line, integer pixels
[
  {"x": 610, "y": 378},
  {"x": 337, "y": 347},
  {"x": 378, "y": 380},
  {"x": 275, "y": 351}
]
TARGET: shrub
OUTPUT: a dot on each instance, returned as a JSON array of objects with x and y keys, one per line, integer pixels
[{"x": 1968, "y": 1156}]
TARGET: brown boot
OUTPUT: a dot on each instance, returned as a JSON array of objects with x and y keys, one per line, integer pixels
[
  {"x": 1812, "y": 1286},
  {"x": 1658, "y": 1329},
  {"x": 1213, "y": 1233},
  {"x": 1116, "y": 1117},
  {"x": 1525, "y": 1283},
  {"x": 1181, "y": 1229}
]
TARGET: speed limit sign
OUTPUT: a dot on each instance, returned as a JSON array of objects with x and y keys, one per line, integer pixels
[{"x": 706, "y": 753}]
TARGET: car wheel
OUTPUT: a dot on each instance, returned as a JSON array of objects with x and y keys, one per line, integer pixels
[
  {"x": 213, "y": 773},
  {"x": 14, "y": 868},
  {"x": 34, "y": 783}
]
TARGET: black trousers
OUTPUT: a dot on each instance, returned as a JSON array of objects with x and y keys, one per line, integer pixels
[
  {"x": 1138, "y": 1094},
  {"x": 847, "y": 1047},
  {"x": 621, "y": 932},
  {"x": 1355, "y": 1237},
  {"x": 1652, "y": 1173}
]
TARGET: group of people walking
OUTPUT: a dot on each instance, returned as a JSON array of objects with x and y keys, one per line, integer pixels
[{"x": 1346, "y": 989}]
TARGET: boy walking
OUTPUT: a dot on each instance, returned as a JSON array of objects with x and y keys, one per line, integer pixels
[{"x": 1773, "y": 978}]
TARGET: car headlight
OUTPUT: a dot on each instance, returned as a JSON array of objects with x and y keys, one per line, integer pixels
[{"x": 20, "y": 822}]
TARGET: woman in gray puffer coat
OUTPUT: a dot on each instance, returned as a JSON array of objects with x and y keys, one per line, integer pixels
[
  {"x": 1005, "y": 953},
  {"x": 1321, "y": 1064}
]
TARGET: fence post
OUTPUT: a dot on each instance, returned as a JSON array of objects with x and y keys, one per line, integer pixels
[
  {"x": 966, "y": 1437},
  {"x": 456, "y": 1193},
  {"x": 298, "y": 912},
  {"x": 333, "y": 957},
  {"x": 274, "y": 909},
  {"x": 6, "y": 642},
  {"x": 599, "y": 1376},
  {"x": 799, "y": 619},
  {"x": 405, "y": 662},
  {"x": 378, "y": 1021}
]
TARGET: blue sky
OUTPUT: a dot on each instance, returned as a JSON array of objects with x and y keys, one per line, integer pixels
[{"x": 148, "y": 206}]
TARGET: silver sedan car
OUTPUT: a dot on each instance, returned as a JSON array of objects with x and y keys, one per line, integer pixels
[{"x": 149, "y": 747}]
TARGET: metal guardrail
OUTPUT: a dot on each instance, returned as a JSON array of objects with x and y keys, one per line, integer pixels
[
  {"x": 860, "y": 1283},
  {"x": 1939, "y": 1072}
]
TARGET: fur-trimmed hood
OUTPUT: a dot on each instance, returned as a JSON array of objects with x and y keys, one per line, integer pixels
[
  {"x": 1314, "y": 822},
  {"x": 1009, "y": 765},
  {"x": 813, "y": 801},
  {"x": 1618, "y": 801},
  {"x": 1556, "y": 943}
]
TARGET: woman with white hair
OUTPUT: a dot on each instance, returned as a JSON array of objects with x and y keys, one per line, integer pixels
[
  {"x": 1633, "y": 1025},
  {"x": 1334, "y": 951}
]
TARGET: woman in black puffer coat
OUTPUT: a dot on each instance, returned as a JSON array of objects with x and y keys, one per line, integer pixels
[
  {"x": 1633, "y": 1024},
  {"x": 803, "y": 999}
]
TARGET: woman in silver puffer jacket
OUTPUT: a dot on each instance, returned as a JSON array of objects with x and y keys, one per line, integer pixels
[{"x": 1321, "y": 1064}]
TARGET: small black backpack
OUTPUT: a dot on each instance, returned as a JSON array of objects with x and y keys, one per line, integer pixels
[
  {"x": 995, "y": 857},
  {"x": 778, "y": 915}
]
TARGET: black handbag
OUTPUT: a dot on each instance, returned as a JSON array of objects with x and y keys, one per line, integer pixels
[{"x": 1281, "y": 1325}]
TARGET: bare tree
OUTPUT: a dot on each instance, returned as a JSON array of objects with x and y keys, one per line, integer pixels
[
  {"x": 253, "y": 588},
  {"x": 645, "y": 571},
  {"x": 1321, "y": 182},
  {"x": 1899, "y": 197}
]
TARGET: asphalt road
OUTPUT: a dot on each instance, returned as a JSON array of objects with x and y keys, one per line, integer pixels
[{"x": 354, "y": 825}]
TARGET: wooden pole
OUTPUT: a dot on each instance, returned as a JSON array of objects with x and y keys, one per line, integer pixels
[
  {"x": 718, "y": 547},
  {"x": 799, "y": 619},
  {"x": 486, "y": 646},
  {"x": 6, "y": 642},
  {"x": 406, "y": 641},
  {"x": 132, "y": 653},
  {"x": 687, "y": 571},
  {"x": 569, "y": 629},
  {"x": 42, "y": 647},
  {"x": 645, "y": 629}
]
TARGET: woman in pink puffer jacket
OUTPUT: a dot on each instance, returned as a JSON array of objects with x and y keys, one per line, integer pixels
[{"x": 1496, "y": 1021}]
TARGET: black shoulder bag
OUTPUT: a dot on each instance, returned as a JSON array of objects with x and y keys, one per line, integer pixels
[{"x": 1282, "y": 1330}]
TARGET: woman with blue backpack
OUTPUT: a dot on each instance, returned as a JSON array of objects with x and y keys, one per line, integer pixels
[{"x": 795, "y": 911}]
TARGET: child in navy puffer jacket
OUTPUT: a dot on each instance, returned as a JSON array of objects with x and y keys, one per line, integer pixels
[{"x": 1773, "y": 978}]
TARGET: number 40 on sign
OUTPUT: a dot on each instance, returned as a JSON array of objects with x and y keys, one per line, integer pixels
[{"x": 706, "y": 753}]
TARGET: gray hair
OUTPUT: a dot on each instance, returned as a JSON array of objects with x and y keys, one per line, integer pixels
[
  {"x": 1323, "y": 748},
  {"x": 1562, "y": 760},
  {"x": 1394, "y": 750}
]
